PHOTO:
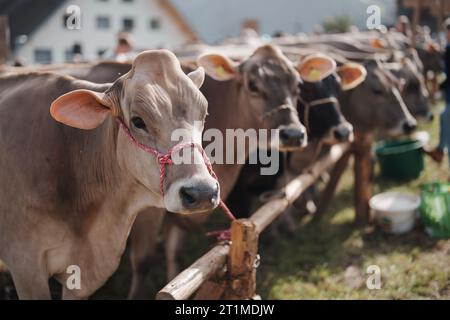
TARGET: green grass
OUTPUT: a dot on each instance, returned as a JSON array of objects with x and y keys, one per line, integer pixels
[{"x": 328, "y": 259}]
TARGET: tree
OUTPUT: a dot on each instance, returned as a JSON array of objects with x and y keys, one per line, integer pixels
[{"x": 337, "y": 24}]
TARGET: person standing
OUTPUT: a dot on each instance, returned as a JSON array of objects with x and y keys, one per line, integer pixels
[{"x": 437, "y": 154}]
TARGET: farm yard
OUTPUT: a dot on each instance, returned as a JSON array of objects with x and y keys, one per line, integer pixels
[
  {"x": 328, "y": 259},
  {"x": 273, "y": 162}
]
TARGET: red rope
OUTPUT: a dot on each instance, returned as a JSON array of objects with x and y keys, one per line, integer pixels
[{"x": 166, "y": 159}]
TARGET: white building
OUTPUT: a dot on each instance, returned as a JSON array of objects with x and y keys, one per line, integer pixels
[
  {"x": 153, "y": 24},
  {"x": 166, "y": 23}
]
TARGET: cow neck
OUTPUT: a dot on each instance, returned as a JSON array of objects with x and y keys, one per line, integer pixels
[
  {"x": 108, "y": 211},
  {"x": 99, "y": 175}
]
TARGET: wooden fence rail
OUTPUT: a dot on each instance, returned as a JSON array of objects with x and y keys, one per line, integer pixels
[{"x": 228, "y": 270}]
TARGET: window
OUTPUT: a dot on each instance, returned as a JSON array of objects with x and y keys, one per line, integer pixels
[
  {"x": 128, "y": 24},
  {"x": 65, "y": 17},
  {"x": 43, "y": 56},
  {"x": 68, "y": 55},
  {"x": 155, "y": 24},
  {"x": 75, "y": 52},
  {"x": 103, "y": 22},
  {"x": 101, "y": 53}
]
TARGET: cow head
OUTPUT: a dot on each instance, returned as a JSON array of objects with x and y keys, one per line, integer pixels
[
  {"x": 318, "y": 104},
  {"x": 412, "y": 87},
  {"x": 154, "y": 99},
  {"x": 268, "y": 84},
  {"x": 431, "y": 57},
  {"x": 377, "y": 105}
]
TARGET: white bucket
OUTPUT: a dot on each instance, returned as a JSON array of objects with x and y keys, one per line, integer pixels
[{"x": 395, "y": 212}]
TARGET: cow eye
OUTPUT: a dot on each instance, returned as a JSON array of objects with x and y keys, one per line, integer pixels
[
  {"x": 252, "y": 86},
  {"x": 139, "y": 123}
]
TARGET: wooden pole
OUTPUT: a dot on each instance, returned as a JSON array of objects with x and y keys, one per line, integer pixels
[
  {"x": 363, "y": 174},
  {"x": 188, "y": 281},
  {"x": 214, "y": 288},
  {"x": 244, "y": 241},
  {"x": 266, "y": 214},
  {"x": 4, "y": 39},
  {"x": 241, "y": 261},
  {"x": 211, "y": 290}
]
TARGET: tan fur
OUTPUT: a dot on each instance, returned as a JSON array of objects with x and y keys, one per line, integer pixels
[{"x": 70, "y": 196}]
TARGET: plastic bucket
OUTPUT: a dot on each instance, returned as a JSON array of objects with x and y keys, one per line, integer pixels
[
  {"x": 400, "y": 160},
  {"x": 395, "y": 212},
  {"x": 435, "y": 209}
]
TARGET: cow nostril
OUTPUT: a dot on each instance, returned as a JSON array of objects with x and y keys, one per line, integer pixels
[
  {"x": 201, "y": 196},
  {"x": 341, "y": 133},
  {"x": 284, "y": 135},
  {"x": 188, "y": 195},
  {"x": 292, "y": 136}
]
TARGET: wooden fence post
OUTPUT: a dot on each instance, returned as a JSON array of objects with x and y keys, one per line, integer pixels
[
  {"x": 4, "y": 39},
  {"x": 241, "y": 261},
  {"x": 363, "y": 174}
]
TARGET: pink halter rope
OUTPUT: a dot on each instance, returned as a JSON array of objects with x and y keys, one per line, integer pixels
[{"x": 166, "y": 159}]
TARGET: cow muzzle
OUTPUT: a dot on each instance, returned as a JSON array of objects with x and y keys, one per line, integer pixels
[
  {"x": 292, "y": 138},
  {"x": 192, "y": 196},
  {"x": 342, "y": 133}
]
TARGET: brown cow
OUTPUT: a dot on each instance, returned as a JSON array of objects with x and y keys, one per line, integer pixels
[
  {"x": 68, "y": 197},
  {"x": 241, "y": 95}
]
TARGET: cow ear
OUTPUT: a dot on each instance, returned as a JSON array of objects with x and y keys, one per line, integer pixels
[
  {"x": 316, "y": 67},
  {"x": 431, "y": 47},
  {"x": 352, "y": 75},
  {"x": 217, "y": 66},
  {"x": 197, "y": 76},
  {"x": 377, "y": 43},
  {"x": 82, "y": 109}
]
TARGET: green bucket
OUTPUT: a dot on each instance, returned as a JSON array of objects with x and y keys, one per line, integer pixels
[
  {"x": 400, "y": 159},
  {"x": 435, "y": 209}
]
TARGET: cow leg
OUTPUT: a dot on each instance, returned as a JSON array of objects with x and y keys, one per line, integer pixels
[
  {"x": 174, "y": 238},
  {"x": 335, "y": 177},
  {"x": 143, "y": 237},
  {"x": 31, "y": 283}
]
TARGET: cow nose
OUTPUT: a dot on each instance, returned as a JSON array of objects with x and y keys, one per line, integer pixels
[
  {"x": 409, "y": 127},
  {"x": 342, "y": 133},
  {"x": 292, "y": 137},
  {"x": 200, "y": 197}
]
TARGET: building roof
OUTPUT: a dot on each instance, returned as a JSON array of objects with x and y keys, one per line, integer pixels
[{"x": 26, "y": 15}]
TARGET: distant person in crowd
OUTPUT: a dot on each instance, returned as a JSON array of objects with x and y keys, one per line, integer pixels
[
  {"x": 18, "y": 63},
  {"x": 278, "y": 34},
  {"x": 124, "y": 50},
  {"x": 437, "y": 154},
  {"x": 77, "y": 53},
  {"x": 403, "y": 25}
]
